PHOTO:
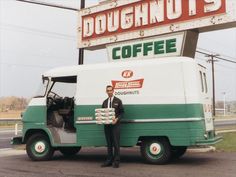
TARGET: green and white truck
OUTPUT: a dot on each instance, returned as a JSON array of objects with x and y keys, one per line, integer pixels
[{"x": 167, "y": 104}]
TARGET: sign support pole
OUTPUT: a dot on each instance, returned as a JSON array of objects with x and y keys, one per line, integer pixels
[{"x": 81, "y": 50}]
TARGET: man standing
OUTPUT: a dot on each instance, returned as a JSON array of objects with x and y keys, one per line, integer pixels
[{"x": 112, "y": 131}]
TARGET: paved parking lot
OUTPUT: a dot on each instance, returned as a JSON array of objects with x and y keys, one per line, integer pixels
[{"x": 87, "y": 164}]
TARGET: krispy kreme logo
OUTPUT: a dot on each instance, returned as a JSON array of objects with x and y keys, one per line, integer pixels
[
  {"x": 132, "y": 84},
  {"x": 127, "y": 84},
  {"x": 143, "y": 14},
  {"x": 127, "y": 74}
]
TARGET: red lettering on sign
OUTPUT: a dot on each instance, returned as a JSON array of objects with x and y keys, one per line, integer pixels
[
  {"x": 146, "y": 14},
  {"x": 127, "y": 84}
]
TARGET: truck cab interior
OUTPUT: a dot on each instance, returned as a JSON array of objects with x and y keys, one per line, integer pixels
[{"x": 60, "y": 103}]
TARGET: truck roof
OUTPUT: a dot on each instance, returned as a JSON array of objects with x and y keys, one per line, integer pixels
[{"x": 74, "y": 70}]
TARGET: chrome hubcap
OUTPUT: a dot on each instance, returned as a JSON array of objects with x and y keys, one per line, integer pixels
[
  {"x": 39, "y": 147},
  {"x": 155, "y": 148}
]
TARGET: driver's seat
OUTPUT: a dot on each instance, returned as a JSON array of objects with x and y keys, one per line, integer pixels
[{"x": 68, "y": 113}]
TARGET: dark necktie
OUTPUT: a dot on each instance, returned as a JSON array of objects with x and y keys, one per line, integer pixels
[{"x": 109, "y": 102}]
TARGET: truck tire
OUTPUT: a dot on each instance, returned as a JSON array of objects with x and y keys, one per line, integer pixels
[
  {"x": 156, "y": 151},
  {"x": 38, "y": 148},
  {"x": 178, "y": 151},
  {"x": 69, "y": 151}
]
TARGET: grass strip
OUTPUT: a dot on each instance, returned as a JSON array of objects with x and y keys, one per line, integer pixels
[{"x": 228, "y": 144}]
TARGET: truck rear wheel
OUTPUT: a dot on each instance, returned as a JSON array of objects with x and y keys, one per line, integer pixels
[
  {"x": 69, "y": 151},
  {"x": 38, "y": 147},
  {"x": 156, "y": 151}
]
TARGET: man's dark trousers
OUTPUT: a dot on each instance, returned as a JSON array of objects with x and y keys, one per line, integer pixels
[{"x": 112, "y": 133}]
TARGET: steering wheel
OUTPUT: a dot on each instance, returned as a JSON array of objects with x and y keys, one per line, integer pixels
[
  {"x": 51, "y": 100},
  {"x": 55, "y": 95}
]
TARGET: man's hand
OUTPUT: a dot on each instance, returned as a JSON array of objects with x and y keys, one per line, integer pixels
[{"x": 114, "y": 120}]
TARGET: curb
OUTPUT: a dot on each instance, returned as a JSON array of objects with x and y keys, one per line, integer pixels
[
  {"x": 11, "y": 152},
  {"x": 201, "y": 149},
  {"x": 225, "y": 131},
  {"x": 224, "y": 119}
]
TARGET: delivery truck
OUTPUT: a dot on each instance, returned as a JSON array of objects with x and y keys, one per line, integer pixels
[{"x": 167, "y": 103}]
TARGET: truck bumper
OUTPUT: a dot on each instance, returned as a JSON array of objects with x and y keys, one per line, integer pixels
[
  {"x": 17, "y": 140},
  {"x": 209, "y": 141}
]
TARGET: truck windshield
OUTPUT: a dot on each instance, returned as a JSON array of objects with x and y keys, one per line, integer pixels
[
  {"x": 42, "y": 88},
  {"x": 64, "y": 86},
  {"x": 63, "y": 89}
]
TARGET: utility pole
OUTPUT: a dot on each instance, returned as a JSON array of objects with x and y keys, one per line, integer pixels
[
  {"x": 224, "y": 104},
  {"x": 212, "y": 61},
  {"x": 81, "y": 51}
]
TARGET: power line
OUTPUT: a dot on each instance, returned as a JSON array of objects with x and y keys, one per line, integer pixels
[
  {"x": 204, "y": 59},
  {"x": 226, "y": 66},
  {"x": 226, "y": 59},
  {"x": 24, "y": 65},
  {"x": 48, "y": 4},
  {"x": 216, "y": 56},
  {"x": 37, "y": 31},
  {"x": 208, "y": 51},
  {"x": 17, "y": 53},
  {"x": 82, "y": 5}
]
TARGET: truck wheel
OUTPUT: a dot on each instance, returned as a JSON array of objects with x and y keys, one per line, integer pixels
[
  {"x": 178, "y": 151},
  {"x": 69, "y": 151},
  {"x": 156, "y": 151},
  {"x": 38, "y": 148}
]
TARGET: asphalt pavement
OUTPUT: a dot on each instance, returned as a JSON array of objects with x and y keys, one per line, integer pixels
[
  {"x": 225, "y": 122},
  {"x": 15, "y": 163},
  {"x": 5, "y": 137}
]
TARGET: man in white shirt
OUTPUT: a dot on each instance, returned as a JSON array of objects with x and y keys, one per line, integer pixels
[{"x": 112, "y": 132}]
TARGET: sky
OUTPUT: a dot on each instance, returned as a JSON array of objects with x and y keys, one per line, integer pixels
[{"x": 34, "y": 39}]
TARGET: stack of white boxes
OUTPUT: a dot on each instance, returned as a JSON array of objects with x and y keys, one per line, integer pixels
[{"x": 104, "y": 115}]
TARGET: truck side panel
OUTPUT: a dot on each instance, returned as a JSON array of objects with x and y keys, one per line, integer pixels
[{"x": 182, "y": 124}]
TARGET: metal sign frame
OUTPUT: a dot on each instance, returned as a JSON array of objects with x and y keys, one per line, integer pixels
[{"x": 102, "y": 28}]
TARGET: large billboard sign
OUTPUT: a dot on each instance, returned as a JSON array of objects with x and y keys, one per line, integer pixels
[{"x": 122, "y": 20}]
